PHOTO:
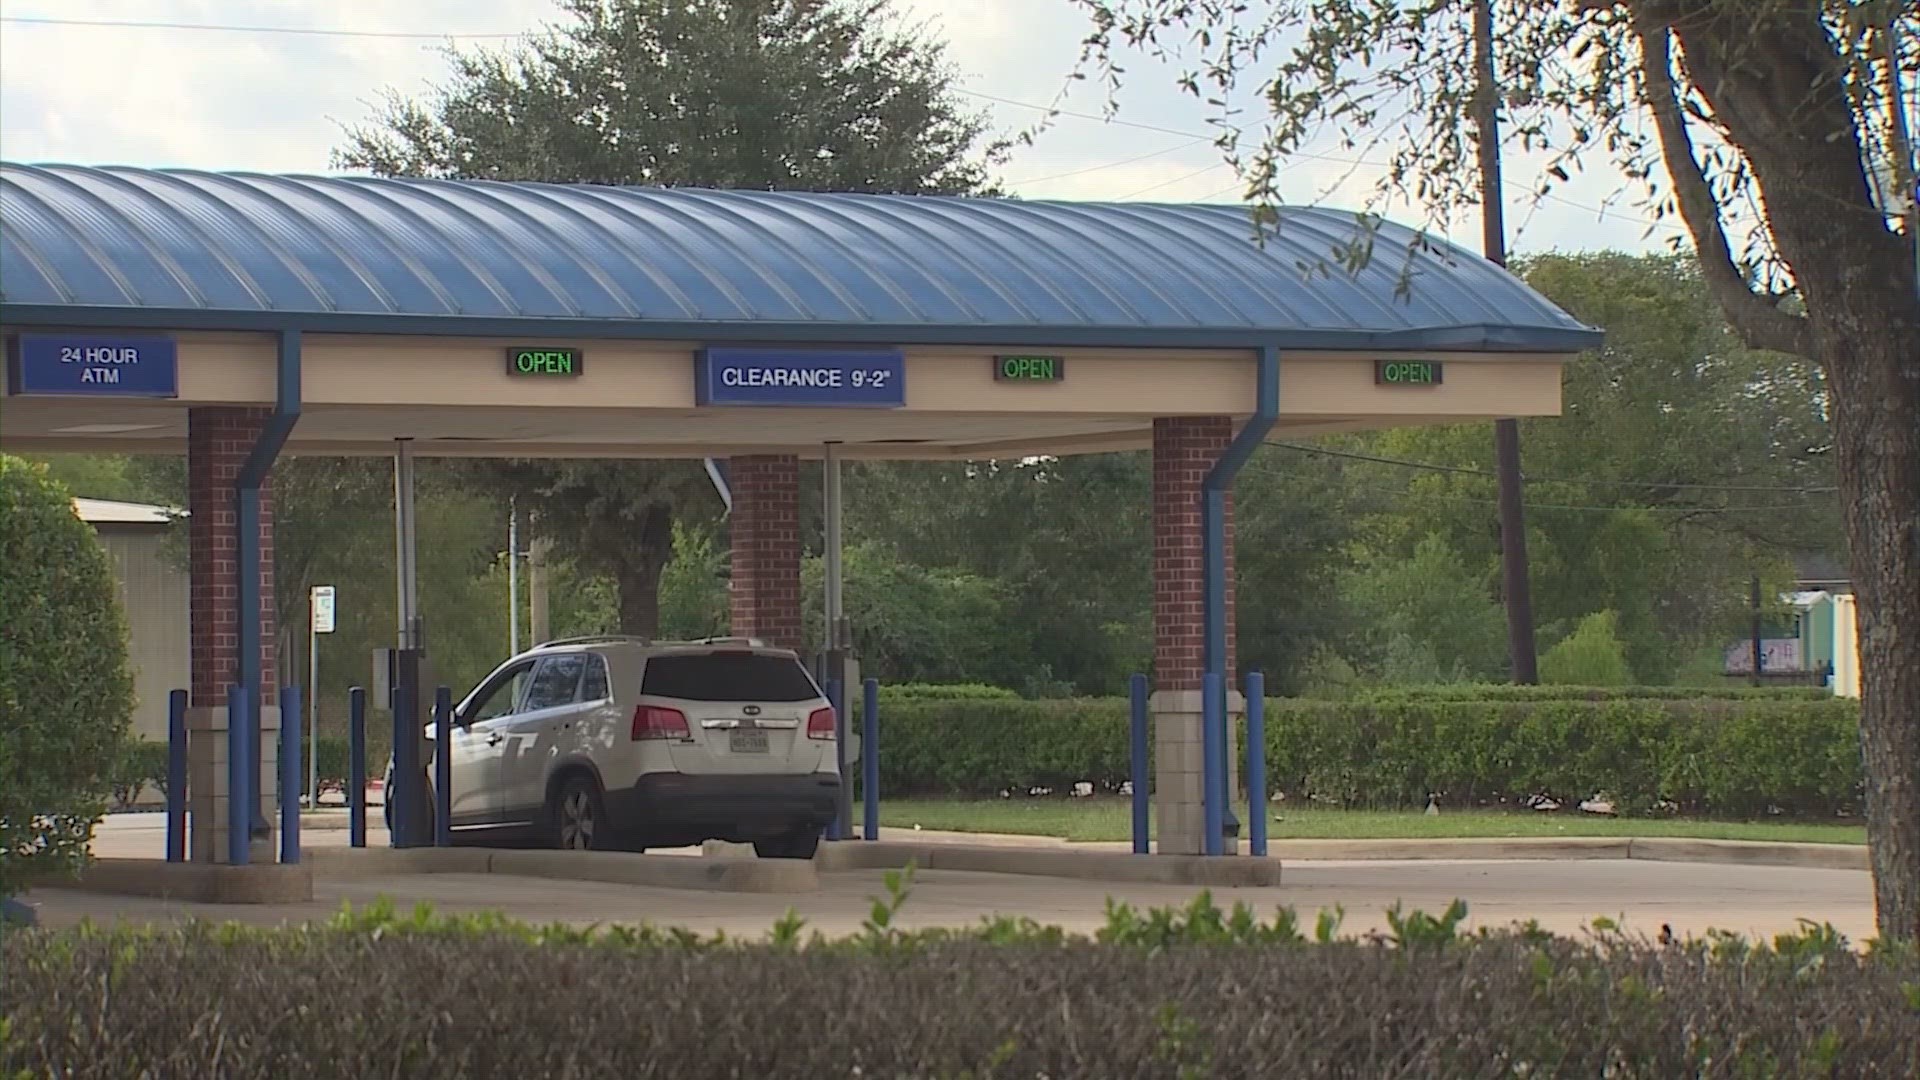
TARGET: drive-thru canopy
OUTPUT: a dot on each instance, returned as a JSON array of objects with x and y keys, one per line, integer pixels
[{"x": 229, "y": 315}]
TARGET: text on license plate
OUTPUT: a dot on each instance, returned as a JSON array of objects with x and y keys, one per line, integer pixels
[{"x": 747, "y": 741}]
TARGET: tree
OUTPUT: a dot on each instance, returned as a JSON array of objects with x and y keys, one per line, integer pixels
[
  {"x": 766, "y": 94},
  {"x": 1593, "y": 655},
  {"x": 1718, "y": 107},
  {"x": 66, "y": 691},
  {"x": 1683, "y": 462},
  {"x": 1057, "y": 536}
]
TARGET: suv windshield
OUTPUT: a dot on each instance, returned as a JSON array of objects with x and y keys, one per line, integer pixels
[{"x": 727, "y": 676}]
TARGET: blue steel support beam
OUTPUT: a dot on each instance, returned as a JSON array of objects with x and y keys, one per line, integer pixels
[
  {"x": 177, "y": 776},
  {"x": 246, "y": 500},
  {"x": 1138, "y": 773},
  {"x": 1213, "y": 525},
  {"x": 357, "y": 767},
  {"x": 291, "y": 774}
]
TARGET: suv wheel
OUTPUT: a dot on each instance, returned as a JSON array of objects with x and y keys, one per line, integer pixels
[
  {"x": 577, "y": 819},
  {"x": 799, "y": 844}
]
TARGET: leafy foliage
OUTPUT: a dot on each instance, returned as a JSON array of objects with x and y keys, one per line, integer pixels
[
  {"x": 1593, "y": 655},
  {"x": 66, "y": 692},
  {"x": 1174, "y": 992}
]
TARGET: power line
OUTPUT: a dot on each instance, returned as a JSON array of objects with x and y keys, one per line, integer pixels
[
  {"x": 1647, "y": 485},
  {"x": 1115, "y": 164},
  {"x": 1513, "y": 185},
  {"x": 1182, "y": 178},
  {"x": 302, "y": 31},
  {"x": 1455, "y": 496},
  {"x": 417, "y": 35}
]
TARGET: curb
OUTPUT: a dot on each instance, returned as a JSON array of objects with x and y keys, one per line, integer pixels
[
  {"x": 1052, "y": 852},
  {"x": 1752, "y": 853},
  {"x": 1058, "y": 862},
  {"x": 609, "y": 867},
  {"x": 206, "y": 883},
  {"x": 1493, "y": 848},
  {"x": 1651, "y": 849}
]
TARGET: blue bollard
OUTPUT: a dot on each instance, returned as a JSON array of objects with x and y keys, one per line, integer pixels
[
  {"x": 1137, "y": 699},
  {"x": 240, "y": 794},
  {"x": 177, "y": 776},
  {"x": 1257, "y": 764},
  {"x": 442, "y": 767},
  {"x": 1213, "y": 758},
  {"x": 357, "y": 767},
  {"x": 870, "y": 758},
  {"x": 840, "y": 829},
  {"x": 292, "y": 774}
]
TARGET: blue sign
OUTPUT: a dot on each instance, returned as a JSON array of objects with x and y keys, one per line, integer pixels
[
  {"x": 94, "y": 365},
  {"x": 807, "y": 378}
]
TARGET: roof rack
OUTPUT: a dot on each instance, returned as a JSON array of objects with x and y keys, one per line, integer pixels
[
  {"x": 593, "y": 639},
  {"x": 748, "y": 642}
]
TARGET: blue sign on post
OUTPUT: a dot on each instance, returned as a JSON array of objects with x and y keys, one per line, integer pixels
[
  {"x": 805, "y": 378},
  {"x": 94, "y": 365}
]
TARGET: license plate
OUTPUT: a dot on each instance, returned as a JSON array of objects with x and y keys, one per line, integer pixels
[{"x": 747, "y": 741}]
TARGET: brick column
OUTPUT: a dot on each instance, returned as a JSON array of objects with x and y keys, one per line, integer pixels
[
  {"x": 218, "y": 442},
  {"x": 765, "y": 527},
  {"x": 1184, "y": 450}
]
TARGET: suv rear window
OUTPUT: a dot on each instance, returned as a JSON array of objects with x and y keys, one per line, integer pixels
[{"x": 727, "y": 676}]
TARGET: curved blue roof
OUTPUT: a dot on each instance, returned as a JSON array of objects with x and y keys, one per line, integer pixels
[{"x": 183, "y": 249}]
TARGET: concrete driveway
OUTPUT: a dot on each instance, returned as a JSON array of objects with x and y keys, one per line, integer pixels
[{"x": 1562, "y": 896}]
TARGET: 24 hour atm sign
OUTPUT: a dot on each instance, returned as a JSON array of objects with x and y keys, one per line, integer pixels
[{"x": 93, "y": 365}]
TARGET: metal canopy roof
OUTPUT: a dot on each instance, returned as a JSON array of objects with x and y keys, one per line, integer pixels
[{"x": 182, "y": 249}]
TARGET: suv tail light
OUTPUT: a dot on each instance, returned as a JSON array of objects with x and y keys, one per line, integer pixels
[
  {"x": 654, "y": 722},
  {"x": 820, "y": 724}
]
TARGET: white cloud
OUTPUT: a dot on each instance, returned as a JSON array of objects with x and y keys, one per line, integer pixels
[{"x": 276, "y": 102}]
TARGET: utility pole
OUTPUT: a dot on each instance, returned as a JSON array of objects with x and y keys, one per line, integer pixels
[
  {"x": 539, "y": 613},
  {"x": 1506, "y": 433},
  {"x": 513, "y": 576}
]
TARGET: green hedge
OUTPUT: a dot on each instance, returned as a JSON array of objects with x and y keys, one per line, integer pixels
[
  {"x": 1727, "y": 757},
  {"x": 142, "y": 765},
  {"x": 1174, "y": 993},
  {"x": 1508, "y": 692},
  {"x": 945, "y": 692}
]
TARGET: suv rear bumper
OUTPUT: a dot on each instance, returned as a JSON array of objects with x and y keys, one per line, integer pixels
[{"x": 674, "y": 809}]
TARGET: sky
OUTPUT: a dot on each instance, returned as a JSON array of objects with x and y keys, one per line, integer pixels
[{"x": 277, "y": 102}]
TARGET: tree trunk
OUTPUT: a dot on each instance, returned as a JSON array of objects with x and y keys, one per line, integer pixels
[
  {"x": 639, "y": 586},
  {"x": 1876, "y": 420},
  {"x": 642, "y": 555},
  {"x": 1774, "y": 80}
]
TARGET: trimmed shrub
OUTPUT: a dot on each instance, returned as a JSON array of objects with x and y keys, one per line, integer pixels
[
  {"x": 945, "y": 692},
  {"x": 1741, "y": 756},
  {"x": 66, "y": 693},
  {"x": 1174, "y": 993},
  {"x": 1729, "y": 691},
  {"x": 1593, "y": 655},
  {"x": 142, "y": 764}
]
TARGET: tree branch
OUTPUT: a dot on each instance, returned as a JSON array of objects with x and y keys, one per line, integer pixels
[{"x": 1757, "y": 319}]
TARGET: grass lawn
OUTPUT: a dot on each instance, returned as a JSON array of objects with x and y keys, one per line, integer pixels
[{"x": 1111, "y": 819}]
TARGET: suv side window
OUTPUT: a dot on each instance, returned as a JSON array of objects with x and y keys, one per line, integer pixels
[
  {"x": 499, "y": 696},
  {"x": 594, "y": 687},
  {"x": 556, "y": 682}
]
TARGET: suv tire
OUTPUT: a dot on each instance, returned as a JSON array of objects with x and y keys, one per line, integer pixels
[
  {"x": 577, "y": 818},
  {"x": 799, "y": 844}
]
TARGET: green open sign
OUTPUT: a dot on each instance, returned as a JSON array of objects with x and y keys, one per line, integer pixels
[
  {"x": 537, "y": 361},
  {"x": 1407, "y": 372}
]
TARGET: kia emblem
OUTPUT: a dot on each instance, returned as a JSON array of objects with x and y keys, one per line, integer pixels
[{"x": 751, "y": 710}]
